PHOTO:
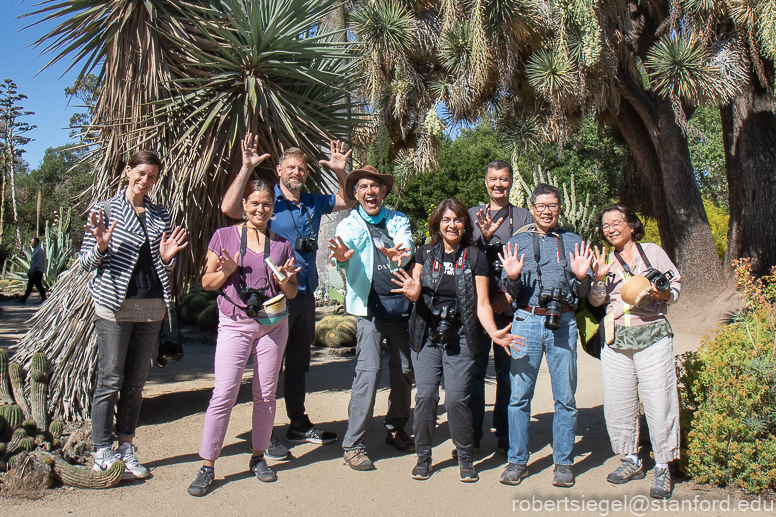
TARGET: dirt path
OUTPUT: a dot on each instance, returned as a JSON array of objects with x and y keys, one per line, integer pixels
[{"x": 316, "y": 481}]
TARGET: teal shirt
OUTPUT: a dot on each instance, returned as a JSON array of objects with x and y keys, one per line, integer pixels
[{"x": 359, "y": 268}]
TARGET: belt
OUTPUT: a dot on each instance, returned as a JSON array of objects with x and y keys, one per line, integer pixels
[{"x": 541, "y": 311}]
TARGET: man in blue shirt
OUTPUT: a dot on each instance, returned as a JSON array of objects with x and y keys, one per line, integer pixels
[{"x": 298, "y": 219}]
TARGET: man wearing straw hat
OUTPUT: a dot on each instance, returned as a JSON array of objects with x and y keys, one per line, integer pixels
[{"x": 370, "y": 244}]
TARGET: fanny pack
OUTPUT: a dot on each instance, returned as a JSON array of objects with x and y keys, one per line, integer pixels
[
  {"x": 388, "y": 307},
  {"x": 274, "y": 311}
]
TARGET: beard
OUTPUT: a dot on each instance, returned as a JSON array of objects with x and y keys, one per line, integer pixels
[{"x": 292, "y": 184}]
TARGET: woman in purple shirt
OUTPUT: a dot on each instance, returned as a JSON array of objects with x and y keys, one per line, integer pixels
[{"x": 252, "y": 322}]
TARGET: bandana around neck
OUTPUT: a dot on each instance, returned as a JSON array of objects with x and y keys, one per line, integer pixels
[{"x": 372, "y": 219}]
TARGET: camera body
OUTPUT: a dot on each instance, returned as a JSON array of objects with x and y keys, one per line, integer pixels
[
  {"x": 167, "y": 352},
  {"x": 306, "y": 244},
  {"x": 254, "y": 300},
  {"x": 552, "y": 300},
  {"x": 444, "y": 318},
  {"x": 661, "y": 281},
  {"x": 491, "y": 252}
]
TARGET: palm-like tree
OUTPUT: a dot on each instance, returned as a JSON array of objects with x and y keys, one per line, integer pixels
[{"x": 187, "y": 78}]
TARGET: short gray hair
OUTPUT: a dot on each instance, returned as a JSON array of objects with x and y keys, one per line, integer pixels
[{"x": 499, "y": 165}]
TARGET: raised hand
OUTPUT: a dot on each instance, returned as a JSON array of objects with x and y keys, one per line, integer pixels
[
  {"x": 509, "y": 261},
  {"x": 409, "y": 287},
  {"x": 600, "y": 267},
  {"x": 505, "y": 339},
  {"x": 250, "y": 155},
  {"x": 580, "y": 260},
  {"x": 339, "y": 251},
  {"x": 226, "y": 264},
  {"x": 169, "y": 247},
  {"x": 288, "y": 269},
  {"x": 394, "y": 254},
  {"x": 486, "y": 225},
  {"x": 337, "y": 160},
  {"x": 96, "y": 226}
]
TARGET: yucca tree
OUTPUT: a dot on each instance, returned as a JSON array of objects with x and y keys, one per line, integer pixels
[{"x": 187, "y": 78}]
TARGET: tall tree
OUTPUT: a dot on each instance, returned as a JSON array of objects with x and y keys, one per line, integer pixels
[{"x": 12, "y": 143}]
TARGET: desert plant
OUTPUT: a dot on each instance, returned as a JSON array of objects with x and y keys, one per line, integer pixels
[
  {"x": 58, "y": 249},
  {"x": 5, "y": 382}
]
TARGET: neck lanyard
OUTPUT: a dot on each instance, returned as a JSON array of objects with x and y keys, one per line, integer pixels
[
  {"x": 244, "y": 248},
  {"x": 309, "y": 219},
  {"x": 561, "y": 257},
  {"x": 436, "y": 268}
]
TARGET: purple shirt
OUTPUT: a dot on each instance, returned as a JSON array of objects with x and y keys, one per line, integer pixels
[{"x": 280, "y": 250}]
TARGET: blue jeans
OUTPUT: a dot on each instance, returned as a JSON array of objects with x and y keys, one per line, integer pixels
[{"x": 560, "y": 347}]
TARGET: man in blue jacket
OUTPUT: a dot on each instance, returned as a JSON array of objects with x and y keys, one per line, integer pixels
[{"x": 371, "y": 243}]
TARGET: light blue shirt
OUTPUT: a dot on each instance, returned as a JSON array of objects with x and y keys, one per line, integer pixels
[
  {"x": 38, "y": 260},
  {"x": 359, "y": 268}
]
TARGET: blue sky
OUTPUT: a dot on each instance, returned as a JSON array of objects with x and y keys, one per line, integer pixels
[{"x": 46, "y": 91}]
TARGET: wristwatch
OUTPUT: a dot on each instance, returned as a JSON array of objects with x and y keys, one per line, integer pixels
[{"x": 599, "y": 283}]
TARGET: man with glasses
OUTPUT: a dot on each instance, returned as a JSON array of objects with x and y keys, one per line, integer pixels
[
  {"x": 297, "y": 218},
  {"x": 546, "y": 271}
]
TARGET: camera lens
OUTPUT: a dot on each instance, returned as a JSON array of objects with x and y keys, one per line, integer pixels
[
  {"x": 552, "y": 316},
  {"x": 661, "y": 283}
]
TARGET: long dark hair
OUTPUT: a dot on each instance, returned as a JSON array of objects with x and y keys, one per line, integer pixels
[
  {"x": 459, "y": 209},
  {"x": 630, "y": 217}
]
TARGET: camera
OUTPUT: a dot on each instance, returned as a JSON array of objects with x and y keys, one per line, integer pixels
[
  {"x": 444, "y": 317},
  {"x": 551, "y": 300},
  {"x": 491, "y": 251},
  {"x": 254, "y": 300},
  {"x": 306, "y": 244},
  {"x": 168, "y": 351},
  {"x": 661, "y": 281}
]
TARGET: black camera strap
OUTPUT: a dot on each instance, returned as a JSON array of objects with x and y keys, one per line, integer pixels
[
  {"x": 538, "y": 256},
  {"x": 244, "y": 248},
  {"x": 437, "y": 254},
  {"x": 306, "y": 212},
  {"x": 625, "y": 265},
  {"x": 510, "y": 220}
]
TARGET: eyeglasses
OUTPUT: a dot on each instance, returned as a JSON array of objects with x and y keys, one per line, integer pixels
[
  {"x": 554, "y": 207},
  {"x": 614, "y": 226}
]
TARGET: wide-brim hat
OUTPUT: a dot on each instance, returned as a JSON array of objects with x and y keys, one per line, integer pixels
[{"x": 366, "y": 172}]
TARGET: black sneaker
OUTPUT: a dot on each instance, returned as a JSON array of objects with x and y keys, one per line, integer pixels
[
  {"x": 276, "y": 450},
  {"x": 423, "y": 469},
  {"x": 259, "y": 467},
  {"x": 466, "y": 468},
  {"x": 311, "y": 435},
  {"x": 202, "y": 483}
]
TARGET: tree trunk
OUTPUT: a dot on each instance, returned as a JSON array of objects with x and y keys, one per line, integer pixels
[
  {"x": 662, "y": 153},
  {"x": 749, "y": 135},
  {"x": 2, "y": 209},
  {"x": 13, "y": 207}
]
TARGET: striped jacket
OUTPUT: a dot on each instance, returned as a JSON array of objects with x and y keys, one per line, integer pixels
[{"x": 114, "y": 268}]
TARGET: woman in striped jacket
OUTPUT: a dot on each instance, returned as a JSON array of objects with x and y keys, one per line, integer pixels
[{"x": 126, "y": 242}]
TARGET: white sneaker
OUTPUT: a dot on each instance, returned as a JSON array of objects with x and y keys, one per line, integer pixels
[
  {"x": 134, "y": 470},
  {"x": 104, "y": 458}
]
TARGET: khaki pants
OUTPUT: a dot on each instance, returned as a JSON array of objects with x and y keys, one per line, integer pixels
[{"x": 650, "y": 371}]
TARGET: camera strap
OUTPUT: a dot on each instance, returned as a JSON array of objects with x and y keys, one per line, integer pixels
[
  {"x": 309, "y": 219},
  {"x": 437, "y": 254},
  {"x": 244, "y": 249},
  {"x": 538, "y": 256},
  {"x": 625, "y": 265},
  {"x": 509, "y": 218}
]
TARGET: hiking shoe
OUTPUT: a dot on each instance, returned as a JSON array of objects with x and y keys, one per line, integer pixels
[
  {"x": 423, "y": 469},
  {"x": 276, "y": 450},
  {"x": 661, "y": 484},
  {"x": 503, "y": 446},
  {"x": 134, "y": 470},
  {"x": 466, "y": 469},
  {"x": 258, "y": 465},
  {"x": 625, "y": 472},
  {"x": 563, "y": 476},
  {"x": 400, "y": 440},
  {"x": 104, "y": 458},
  {"x": 311, "y": 435},
  {"x": 202, "y": 482},
  {"x": 358, "y": 460},
  {"x": 514, "y": 474}
]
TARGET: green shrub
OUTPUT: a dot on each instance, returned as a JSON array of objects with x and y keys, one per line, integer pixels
[
  {"x": 208, "y": 319},
  {"x": 728, "y": 395}
]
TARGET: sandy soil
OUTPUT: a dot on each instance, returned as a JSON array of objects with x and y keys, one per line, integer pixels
[{"x": 315, "y": 481}]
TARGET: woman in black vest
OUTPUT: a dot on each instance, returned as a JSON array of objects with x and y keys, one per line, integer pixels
[
  {"x": 449, "y": 284},
  {"x": 129, "y": 243}
]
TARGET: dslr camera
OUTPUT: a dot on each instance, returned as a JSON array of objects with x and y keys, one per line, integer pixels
[
  {"x": 306, "y": 244},
  {"x": 167, "y": 352},
  {"x": 491, "y": 252},
  {"x": 444, "y": 318},
  {"x": 661, "y": 281},
  {"x": 552, "y": 300},
  {"x": 254, "y": 300}
]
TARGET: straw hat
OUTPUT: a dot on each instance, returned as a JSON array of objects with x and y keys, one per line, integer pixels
[{"x": 635, "y": 289}]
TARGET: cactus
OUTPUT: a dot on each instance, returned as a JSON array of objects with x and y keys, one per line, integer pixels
[
  {"x": 56, "y": 428},
  {"x": 81, "y": 477},
  {"x": 336, "y": 331},
  {"x": 27, "y": 443},
  {"x": 30, "y": 426},
  {"x": 16, "y": 374},
  {"x": 14, "y": 416},
  {"x": 2, "y": 447},
  {"x": 17, "y": 437},
  {"x": 10, "y": 462},
  {"x": 208, "y": 319},
  {"x": 321, "y": 329},
  {"x": 39, "y": 390},
  {"x": 6, "y": 399}
]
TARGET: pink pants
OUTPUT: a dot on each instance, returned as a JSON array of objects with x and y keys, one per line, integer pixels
[{"x": 237, "y": 340}]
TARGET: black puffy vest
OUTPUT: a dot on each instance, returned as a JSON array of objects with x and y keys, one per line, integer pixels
[{"x": 466, "y": 300}]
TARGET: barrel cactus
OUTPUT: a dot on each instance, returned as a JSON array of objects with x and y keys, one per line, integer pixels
[
  {"x": 17, "y": 437},
  {"x": 27, "y": 443},
  {"x": 56, "y": 428},
  {"x": 39, "y": 390},
  {"x": 208, "y": 319},
  {"x": 16, "y": 374},
  {"x": 337, "y": 332},
  {"x": 30, "y": 426},
  {"x": 6, "y": 399},
  {"x": 81, "y": 477},
  {"x": 13, "y": 415}
]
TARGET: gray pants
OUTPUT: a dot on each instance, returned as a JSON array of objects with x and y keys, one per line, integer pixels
[
  {"x": 369, "y": 355},
  {"x": 124, "y": 352},
  {"x": 455, "y": 361}
]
